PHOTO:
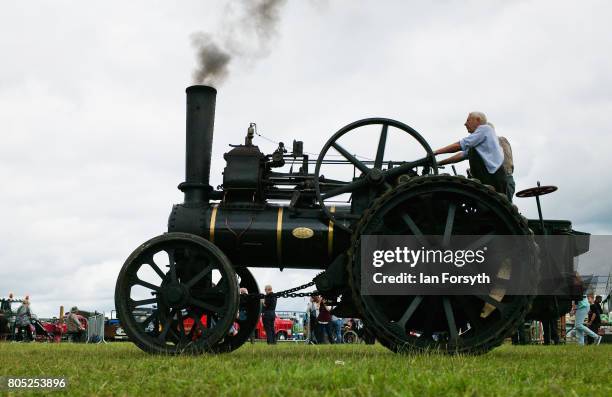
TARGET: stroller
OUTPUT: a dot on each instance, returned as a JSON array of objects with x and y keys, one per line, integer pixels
[
  {"x": 355, "y": 332},
  {"x": 43, "y": 331}
]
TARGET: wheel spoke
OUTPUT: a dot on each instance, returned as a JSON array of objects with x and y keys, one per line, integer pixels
[
  {"x": 208, "y": 293},
  {"x": 348, "y": 188},
  {"x": 493, "y": 302},
  {"x": 156, "y": 268},
  {"x": 356, "y": 162},
  {"x": 428, "y": 324},
  {"x": 402, "y": 169},
  {"x": 199, "y": 276},
  {"x": 414, "y": 229},
  {"x": 380, "y": 152},
  {"x": 146, "y": 284},
  {"x": 448, "y": 229},
  {"x": 148, "y": 320},
  {"x": 134, "y": 304},
  {"x": 473, "y": 318},
  {"x": 450, "y": 318},
  {"x": 197, "y": 324},
  {"x": 172, "y": 265},
  {"x": 410, "y": 311},
  {"x": 183, "y": 340},
  {"x": 206, "y": 306},
  {"x": 482, "y": 240},
  {"x": 166, "y": 327}
]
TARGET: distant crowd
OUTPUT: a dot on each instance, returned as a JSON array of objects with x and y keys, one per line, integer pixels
[{"x": 22, "y": 325}]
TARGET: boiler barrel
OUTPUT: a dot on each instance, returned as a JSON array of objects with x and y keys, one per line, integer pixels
[{"x": 273, "y": 237}]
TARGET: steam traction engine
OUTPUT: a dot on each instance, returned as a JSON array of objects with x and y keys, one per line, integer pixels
[{"x": 194, "y": 279}]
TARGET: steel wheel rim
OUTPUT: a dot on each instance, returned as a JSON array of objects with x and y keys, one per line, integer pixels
[
  {"x": 178, "y": 297},
  {"x": 466, "y": 340}
]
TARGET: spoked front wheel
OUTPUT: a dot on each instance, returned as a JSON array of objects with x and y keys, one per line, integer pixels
[{"x": 177, "y": 293}]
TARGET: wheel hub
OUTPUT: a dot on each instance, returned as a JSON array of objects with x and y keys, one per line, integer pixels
[
  {"x": 376, "y": 176},
  {"x": 175, "y": 295}
]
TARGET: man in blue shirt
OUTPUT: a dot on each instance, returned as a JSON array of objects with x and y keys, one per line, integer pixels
[{"x": 481, "y": 147}]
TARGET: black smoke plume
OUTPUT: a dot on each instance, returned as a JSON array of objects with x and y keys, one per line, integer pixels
[
  {"x": 247, "y": 38},
  {"x": 212, "y": 61}
]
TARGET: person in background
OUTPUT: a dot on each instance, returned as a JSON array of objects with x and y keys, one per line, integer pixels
[
  {"x": 581, "y": 309},
  {"x": 312, "y": 311},
  {"x": 325, "y": 322},
  {"x": 5, "y": 304},
  {"x": 306, "y": 328},
  {"x": 241, "y": 315},
  {"x": 295, "y": 326},
  {"x": 481, "y": 147},
  {"x": 550, "y": 331},
  {"x": 269, "y": 315},
  {"x": 4, "y": 327},
  {"x": 337, "y": 324},
  {"x": 508, "y": 164},
  {"x": 520, "y": 337},
  {"x": 74, "y": 328},
  {"x": 594, "y": 317},
  {"x": 23, "y": 321}
]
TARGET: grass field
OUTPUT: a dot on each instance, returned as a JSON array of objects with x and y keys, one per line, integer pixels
[{"x": 290, "y": 370}]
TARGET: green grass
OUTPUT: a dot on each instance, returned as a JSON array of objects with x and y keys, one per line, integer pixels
[{"x": 290, "y": 370}]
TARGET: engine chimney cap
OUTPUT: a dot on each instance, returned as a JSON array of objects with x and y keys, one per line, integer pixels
[{"x": 201, "y": 88}]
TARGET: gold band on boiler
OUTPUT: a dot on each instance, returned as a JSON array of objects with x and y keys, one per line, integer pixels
[
  {"x": 330, "y": 234},
  {"x": 279, "y": 236},
  {"x": 213, "y": 220}
]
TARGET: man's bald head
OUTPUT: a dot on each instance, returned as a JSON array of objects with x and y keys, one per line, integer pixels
[{"x": 474, "y": 120}]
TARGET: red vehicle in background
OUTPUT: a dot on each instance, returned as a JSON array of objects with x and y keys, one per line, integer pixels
[
  {"x": 188, "y": 323},
  {"x": 52, "y": 330},
  {"x": 282, "y": 328}
]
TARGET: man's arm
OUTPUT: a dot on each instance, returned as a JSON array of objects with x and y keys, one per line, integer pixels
[
  {"x": 593, "y": 315},
  {"x": 452, "y": 148},
  {"x": 453, "y": 159}
]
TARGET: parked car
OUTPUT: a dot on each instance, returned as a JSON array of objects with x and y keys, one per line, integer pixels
[
  {"x": 113, "y": 331},
  {"x": 282, "y": 327}
]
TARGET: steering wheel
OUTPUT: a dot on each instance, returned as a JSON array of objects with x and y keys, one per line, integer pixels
[
  {"x": 372, "y": 176},
  {"x": 536, "y": 191}
]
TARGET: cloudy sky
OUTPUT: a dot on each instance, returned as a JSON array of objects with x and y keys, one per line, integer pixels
[{"x": 92, "y": 111}]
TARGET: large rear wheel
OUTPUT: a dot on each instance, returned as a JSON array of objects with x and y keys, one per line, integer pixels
[{"x": 444, "y": 206}]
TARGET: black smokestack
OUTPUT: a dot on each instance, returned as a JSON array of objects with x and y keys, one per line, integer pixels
[
  {"x": 200, "y": 126},
  {"x": 247, "y": 38}
]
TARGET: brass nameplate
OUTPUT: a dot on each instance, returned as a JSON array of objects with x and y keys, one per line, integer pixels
[{"x": 302, "y": 232}]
